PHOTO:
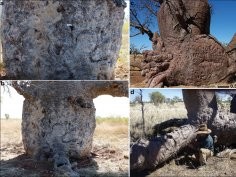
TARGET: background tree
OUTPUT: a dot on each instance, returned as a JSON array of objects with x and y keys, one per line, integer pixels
[
  {"x": 143, "y": 17},
  {"x": 137, "y": 99},
  {"x": 176, "y": 99},
  {"x": 136, "y": 50},
  {"x": 157, "y": 98}
]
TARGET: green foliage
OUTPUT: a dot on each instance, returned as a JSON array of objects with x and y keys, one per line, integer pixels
[{"x": 156, "y": 98}]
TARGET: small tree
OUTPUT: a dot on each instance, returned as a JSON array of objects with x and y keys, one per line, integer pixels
[
  {"x": 157, "y": 98},
  {"x": 7, "y": 116},
  {"x": 176, "y": 99},
  {"x": 135, "y": 50},
  {"x": 137, "y": 99}
]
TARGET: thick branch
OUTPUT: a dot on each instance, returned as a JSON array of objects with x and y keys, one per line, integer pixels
[{"x": 114, "y": 88}]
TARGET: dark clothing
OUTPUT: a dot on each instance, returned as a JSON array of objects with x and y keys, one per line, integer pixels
[
  {"x": 233, "y": 105},
  {"x": 206, "y": 142}
]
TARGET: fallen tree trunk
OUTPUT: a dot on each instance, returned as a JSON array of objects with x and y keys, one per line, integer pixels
[
  {"x": 149, "y": 154},
  {"x": 202, "y": 108}
]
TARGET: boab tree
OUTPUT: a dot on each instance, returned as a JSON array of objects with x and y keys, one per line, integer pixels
[
  {"x": 60, "y": 40},
  {"x": 185, "y": 53},
  {"x": 202, "y": 107},
  {"x": 58, "y": 119}
]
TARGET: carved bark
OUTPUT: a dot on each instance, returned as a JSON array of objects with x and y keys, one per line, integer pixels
[
  {"x": 58, "y": 118},
  {"x": 185, "y": 53},
  {"x": 201, "y": 106},
  {"x": 61, "y": 40}
]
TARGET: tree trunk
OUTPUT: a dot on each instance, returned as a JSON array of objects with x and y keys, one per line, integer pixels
[
  {"x": 61, "y": 40},
  {"x": 201, "y": 106},
  {"x": 59, "y": 117},
  {"x": 185, "y": 53},
  {"x": 150, "y": 154}
]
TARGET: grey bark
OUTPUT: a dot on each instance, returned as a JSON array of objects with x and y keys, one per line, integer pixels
[
  {"x": 58, "y": 118},
  {"x": 60, "y": 40},
  {"x": 149, "y": 154},
  {"x": 202, "y": 107}
]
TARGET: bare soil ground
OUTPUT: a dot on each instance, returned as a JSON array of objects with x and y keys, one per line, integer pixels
[
  {"x": 109, "y": 156},
  {"x": 215, "y": 167},
  {"x": 136, "y": 80}
]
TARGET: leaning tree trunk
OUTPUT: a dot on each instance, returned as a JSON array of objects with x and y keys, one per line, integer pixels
[
  {"x": 185, "y": 53},
  {"x": 201, "y": 106},
  {"x": 58, "y": 118},
  {"x": 60, "y": 40}
]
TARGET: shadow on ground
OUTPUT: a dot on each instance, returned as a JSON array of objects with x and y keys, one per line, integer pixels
[{"x": 23, "y": 165}]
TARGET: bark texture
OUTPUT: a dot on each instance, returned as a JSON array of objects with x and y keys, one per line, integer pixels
[
  {"x": 202, "y": 107},
  {"x": 149, "y": 154},
  {"x": 60, "y": 40},
  {"x": 59, "y": 117},
  {"x": 185, "y": 53}
]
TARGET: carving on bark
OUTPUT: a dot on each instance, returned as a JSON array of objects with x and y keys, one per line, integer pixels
[
  {"x": 202, "y": 107},
  {"x": 185, "y": 53},
  {"x": 61, "y": 40}
]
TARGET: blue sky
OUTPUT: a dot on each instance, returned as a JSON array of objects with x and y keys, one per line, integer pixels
[
  {"x": 168, "y": 93},
  {"x": 223, "y": 23}
]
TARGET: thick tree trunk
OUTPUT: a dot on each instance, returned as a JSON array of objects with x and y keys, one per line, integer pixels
[
  {"x": 58, "y": 118},
  {"x": 60, "y": 40},
  {"x": 185, "y": 53},
  {"x": 201, "y": 106}
]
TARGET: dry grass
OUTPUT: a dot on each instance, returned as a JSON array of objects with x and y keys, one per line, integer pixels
[
  {"x": 110, "y": 151},
  {"x": 153, "y": 115},
  {"x": 122, "y": 66},
  {"x": 215, "y": 167}
]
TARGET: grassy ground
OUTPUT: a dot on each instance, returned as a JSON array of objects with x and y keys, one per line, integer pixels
[
  {"x": 109, "y": 154},
  {"x": 153, "y": 115},
  {"x": 215, "y": 167}
]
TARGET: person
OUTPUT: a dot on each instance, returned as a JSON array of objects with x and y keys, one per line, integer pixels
[{"x": 205, "y": 144}]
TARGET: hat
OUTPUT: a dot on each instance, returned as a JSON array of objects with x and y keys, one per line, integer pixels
[{"x": 203, "y": 129}]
